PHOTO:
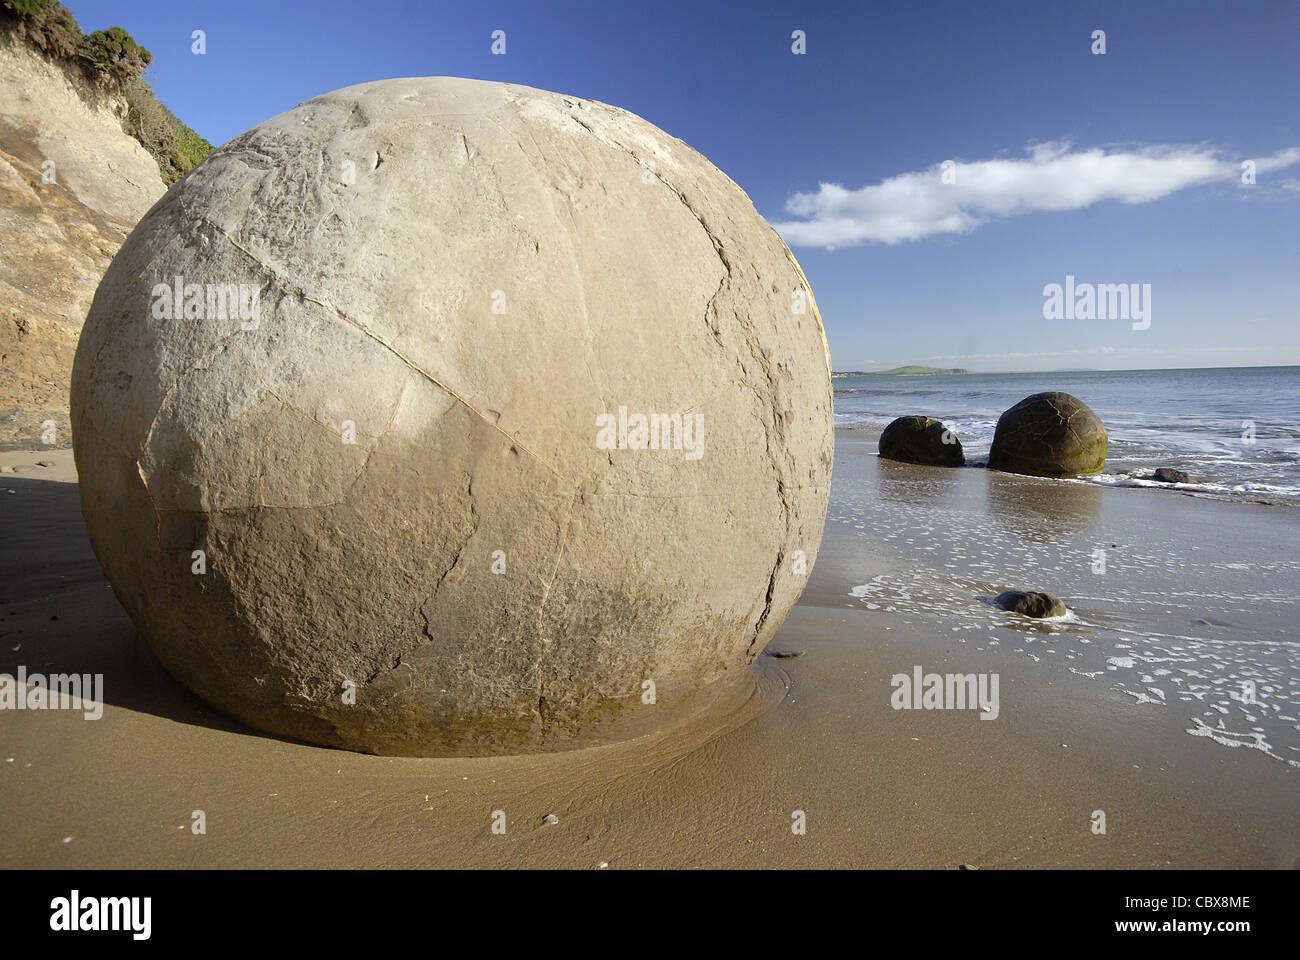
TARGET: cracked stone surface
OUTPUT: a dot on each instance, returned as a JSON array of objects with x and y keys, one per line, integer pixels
[
  {"x": 378, "y": 224},
  {"x": 1049, "y": 435}
]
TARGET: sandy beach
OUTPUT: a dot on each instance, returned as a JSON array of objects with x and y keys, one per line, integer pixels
[{"x": 1188, "y": 587}]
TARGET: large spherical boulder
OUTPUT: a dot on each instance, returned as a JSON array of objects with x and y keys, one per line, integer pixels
[
  {"x": 922, "y": 440},
  {"x": 1049, "y": 435},
  {"x": 438, "y": 416}
]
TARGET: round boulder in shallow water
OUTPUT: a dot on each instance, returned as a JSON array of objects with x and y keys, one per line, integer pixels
[
  {"x": 1030, "y": 603},
  {"x": 447, "y": 417},
  {"x": 1049, "y": 435},
  {"x": 922, "y": 440}
]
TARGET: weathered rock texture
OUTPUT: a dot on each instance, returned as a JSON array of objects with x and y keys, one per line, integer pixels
[
  {"x": 380, "y": 225},
  {"x": 1030, "y": 603},
  {"x": 1049, "y": 435},
  {"x": 58, "y": 237},
  {"x": 922, "y": 440}
]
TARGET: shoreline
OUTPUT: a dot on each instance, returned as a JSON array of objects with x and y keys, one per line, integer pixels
[
  {"x": 869, "y": 433},
  {"x": 879, "y": 787}
]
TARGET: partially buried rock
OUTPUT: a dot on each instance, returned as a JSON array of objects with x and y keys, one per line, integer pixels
[
  {"x": 1169, "y": 475},
  {"x": 1030, "y": 604},
  {"x": 785, "y": 654},
  {"x": 448, "y": 417},
  {"x": 921, "y": 440},
  {"x": 1049, "y": 435}
]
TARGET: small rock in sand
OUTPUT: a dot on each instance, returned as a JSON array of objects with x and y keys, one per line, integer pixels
[
  {"x": 6, "y": 469},
  {"x": 1030, "y": 603},
  {"x": 46, "y": 463}
]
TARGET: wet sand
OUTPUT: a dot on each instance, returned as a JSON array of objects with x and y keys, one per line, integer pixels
[{"x": 814, "y": 733}]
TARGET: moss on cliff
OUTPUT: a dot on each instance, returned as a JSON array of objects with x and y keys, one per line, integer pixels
[{"x": 112, "y": 61}]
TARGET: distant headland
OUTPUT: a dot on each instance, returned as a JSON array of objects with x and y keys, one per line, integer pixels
[{"x": 911, "y": 370}]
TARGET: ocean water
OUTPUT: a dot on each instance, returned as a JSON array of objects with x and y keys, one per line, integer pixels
[
  {"x": 1234, "y": 430},
  {"x": 1180, "y": 613}
]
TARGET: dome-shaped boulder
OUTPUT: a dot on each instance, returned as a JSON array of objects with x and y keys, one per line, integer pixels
[
  {"x": 922, "y": 440},
  {"x": 1049, "y": 435}
]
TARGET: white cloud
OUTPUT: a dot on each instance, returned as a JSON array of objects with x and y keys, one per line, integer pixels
[{"x": 1052, "y": 177}]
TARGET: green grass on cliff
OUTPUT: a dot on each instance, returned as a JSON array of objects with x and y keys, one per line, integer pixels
[{"x": 111, "y": 60}]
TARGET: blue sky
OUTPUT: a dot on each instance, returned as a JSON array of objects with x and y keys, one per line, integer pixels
[{"x": 1114, "y": 168}]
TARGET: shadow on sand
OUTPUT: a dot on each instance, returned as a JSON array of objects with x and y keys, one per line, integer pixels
[{"x": 59, "y": 615}]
